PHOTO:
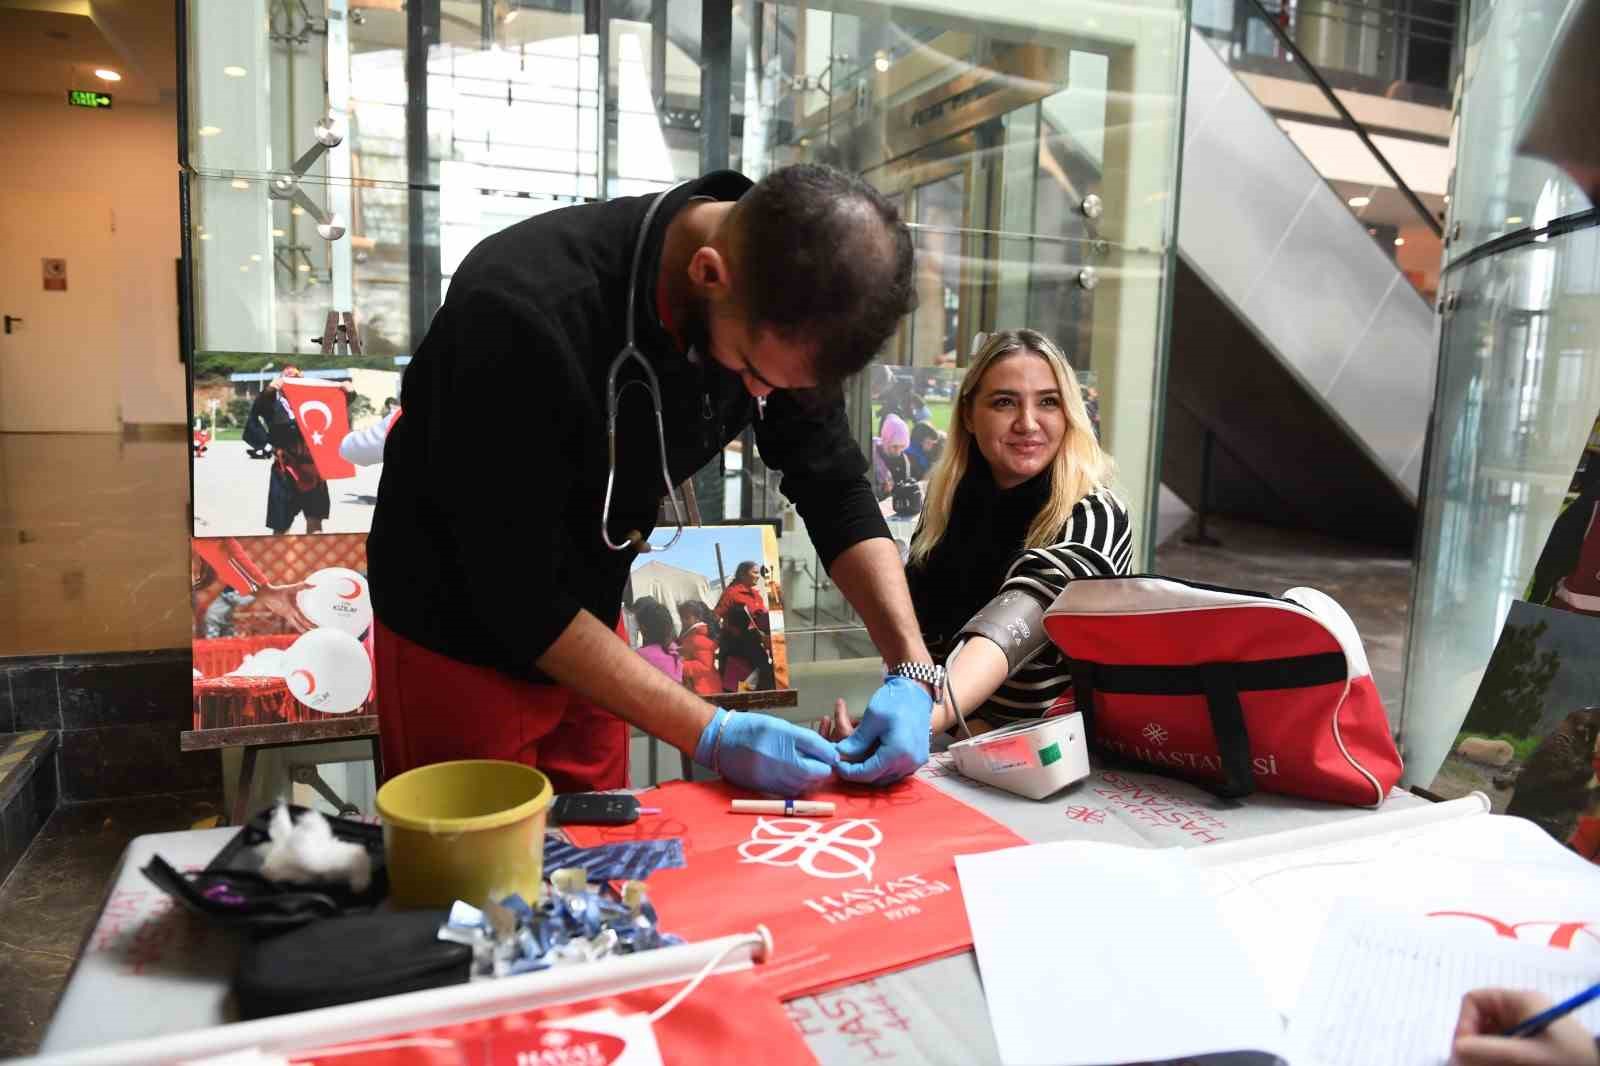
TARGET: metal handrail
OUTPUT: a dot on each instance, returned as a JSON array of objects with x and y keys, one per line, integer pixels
[{"x": 1350, "y": 120}]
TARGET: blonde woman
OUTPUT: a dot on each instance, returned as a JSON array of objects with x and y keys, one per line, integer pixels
[{"x": 1018, "y": 504}]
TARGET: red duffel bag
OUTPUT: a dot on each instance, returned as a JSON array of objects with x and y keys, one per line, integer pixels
[{"x": 1233, "y": 690}]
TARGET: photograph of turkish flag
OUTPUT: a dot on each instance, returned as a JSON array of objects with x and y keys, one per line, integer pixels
[
  {"x": 869, "y": 890},
  {"x": 323, "y": 415}
]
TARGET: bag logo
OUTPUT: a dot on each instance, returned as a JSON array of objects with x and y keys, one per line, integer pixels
[
  {"x": 829, "y": 850},
  {"x": 1154, "y": 733}
]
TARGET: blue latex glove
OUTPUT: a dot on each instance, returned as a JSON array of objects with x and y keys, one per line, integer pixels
[
  {"x": 767, "y": 754},
  {"x": 897, "y": 721}
]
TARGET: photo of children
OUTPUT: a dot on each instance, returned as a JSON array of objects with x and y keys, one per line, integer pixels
[
  {"x": 708, "y": 612},
  {"x": 289, "y": 444},
  {"x": 281, "y": 629},
  {"x": 1529, "y": 741}
]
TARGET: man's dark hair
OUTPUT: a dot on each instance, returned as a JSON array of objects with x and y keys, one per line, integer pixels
[{"x": 821, "y": 257}]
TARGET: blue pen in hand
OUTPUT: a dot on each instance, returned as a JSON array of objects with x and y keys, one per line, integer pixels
[{"x": 1539, "y": 1022}]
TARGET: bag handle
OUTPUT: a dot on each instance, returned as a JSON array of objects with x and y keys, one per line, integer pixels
[
  {"x": 1227, "y": 725},
  {"x": 1221, "y": 685}
]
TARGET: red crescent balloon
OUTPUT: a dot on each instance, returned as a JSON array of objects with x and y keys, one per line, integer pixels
[
  {"x": 311, "y": 680},
  {"x": 355, "y": 589}
]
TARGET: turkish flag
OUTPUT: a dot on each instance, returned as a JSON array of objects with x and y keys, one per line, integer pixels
[
  {"x": 323, "y": 415},
  {"x": 870, "y": 890}
]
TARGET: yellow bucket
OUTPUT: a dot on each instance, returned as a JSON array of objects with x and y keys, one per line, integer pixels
[{"x": 471, "y": 830}]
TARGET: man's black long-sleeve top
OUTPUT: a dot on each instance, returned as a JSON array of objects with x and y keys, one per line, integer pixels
[{"x": 486, "y": 539}]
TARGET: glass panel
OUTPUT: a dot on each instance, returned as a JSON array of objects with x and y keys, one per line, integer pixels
[
  {"x": 1518, "y": 395},
  {"x": 1498, "y": 190},
  {"x": 451, "y": 120}
]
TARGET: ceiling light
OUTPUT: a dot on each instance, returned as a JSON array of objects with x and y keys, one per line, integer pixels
[
  {"x": 297, "y": 210},
  {"x": 235, "y": 72},
  {"x": 881, "y": 61},
  {"x": 511, "y": 16},
  {"x": 1399, "y": 242},
  {"x": 205, "y": 236},
  {"x": 255, "y": 259},
  {"x": 107, "y": 75},
  {"x": 1514, "y": 220},
  {"x": 1359, "y": 201},
  {"x": 305, "y": 268},
  {"x": 209, "y": 131},
  {"x": 245, "y": 269},
  {"x": 277, "y": 233},
  {"x": 239, "y": 183}
]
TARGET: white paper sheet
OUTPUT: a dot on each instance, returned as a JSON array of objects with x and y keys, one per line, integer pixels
[
  {"x": 1385, "y": 989},
  {"x": 1098, "y": 953},
  {"x": 1483, "y": 876}
]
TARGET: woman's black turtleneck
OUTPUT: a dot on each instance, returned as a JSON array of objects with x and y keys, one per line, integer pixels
[{"x": 984, "y": 537}]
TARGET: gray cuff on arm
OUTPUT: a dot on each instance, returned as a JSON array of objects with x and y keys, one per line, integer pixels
[{"x": 1013, "y": 620}]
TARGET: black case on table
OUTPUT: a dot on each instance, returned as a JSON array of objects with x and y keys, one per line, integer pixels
[{"x": 231, "y": 891}]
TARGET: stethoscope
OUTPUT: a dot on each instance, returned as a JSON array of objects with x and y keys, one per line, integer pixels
[{"x": 652, "y": 385}]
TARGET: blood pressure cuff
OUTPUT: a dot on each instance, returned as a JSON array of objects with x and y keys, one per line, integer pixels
[{"x": 1015, "y": 621}]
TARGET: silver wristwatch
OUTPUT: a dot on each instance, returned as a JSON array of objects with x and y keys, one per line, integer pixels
[{"x": 927, "y": 673}]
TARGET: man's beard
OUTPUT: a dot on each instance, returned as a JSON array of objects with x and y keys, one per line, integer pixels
[{"x": 695, "y": 329}]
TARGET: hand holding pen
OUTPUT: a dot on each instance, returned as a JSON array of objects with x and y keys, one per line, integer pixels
[{"x": 1490, "y": 1032}]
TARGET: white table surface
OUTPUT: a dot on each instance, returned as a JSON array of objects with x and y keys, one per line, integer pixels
[{"x": 151, "y": 967}]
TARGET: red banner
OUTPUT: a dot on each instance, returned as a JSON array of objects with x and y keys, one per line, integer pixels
[
  {"x": 323, "y": 414},
  {"x": 870, "y": 890},
  {"x": 700, "y": 1031}
]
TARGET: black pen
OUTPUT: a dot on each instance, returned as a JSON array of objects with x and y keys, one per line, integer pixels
[{"x": 1541, "y": 1021}]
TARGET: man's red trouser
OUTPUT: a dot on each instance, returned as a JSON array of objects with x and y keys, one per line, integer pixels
[{"x": 432, "y": 708}]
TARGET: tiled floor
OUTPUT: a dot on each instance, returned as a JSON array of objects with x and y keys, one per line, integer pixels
[{"x": 51, "y": 899}]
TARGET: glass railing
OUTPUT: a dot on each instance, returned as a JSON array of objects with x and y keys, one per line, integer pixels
[{"x": 1394, "y": 186}]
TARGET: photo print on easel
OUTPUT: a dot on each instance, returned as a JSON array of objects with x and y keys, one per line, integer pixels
[
  {"x": 282, "y": 630},
  {"x": 708, "y": 612},
  {"x": 289, "y": 443}
]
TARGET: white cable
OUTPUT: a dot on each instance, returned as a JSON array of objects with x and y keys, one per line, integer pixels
[{"x": 694, "y": 983}]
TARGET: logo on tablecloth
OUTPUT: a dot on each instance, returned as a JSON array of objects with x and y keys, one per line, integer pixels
[{"x": 829, "y": 850}]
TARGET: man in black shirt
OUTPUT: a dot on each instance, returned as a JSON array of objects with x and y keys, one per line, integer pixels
[{"x": 496, "y": 595}]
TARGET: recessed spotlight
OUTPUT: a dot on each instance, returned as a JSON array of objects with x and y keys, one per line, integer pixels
[
  {"x": 235, "y": 72},
  {"x": 297, "y": 210},
  {"x": 255, "y": 258},
  {"x": 1359, "y": 201},
  {"x": 107, "y": 75},
  {"x": 881, "y": 61},
  {"x": 209, "y": 131},
  {"x": 239, "y": 183},
  {"x": 245, "y": 269},
  {"x": 277, "y": 233},
  {"x": 305, "y": 268},
  {"x": 1399, "y": 242},
  {"x": 205, "y": 236},
  {"x": 1514, "y": 220}
]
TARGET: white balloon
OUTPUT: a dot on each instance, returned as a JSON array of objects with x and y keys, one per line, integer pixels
[
  {"x": 339, "y": 598},
  {"x": 328, "y": 670}
]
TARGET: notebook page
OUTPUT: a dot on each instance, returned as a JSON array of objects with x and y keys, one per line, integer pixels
[{"x": 1385, "y": 990}]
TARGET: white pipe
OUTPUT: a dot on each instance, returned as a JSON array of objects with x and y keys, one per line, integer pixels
[{"x": 432, "y": 1007}]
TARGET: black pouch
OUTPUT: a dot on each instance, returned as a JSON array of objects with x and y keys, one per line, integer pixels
[
  {"x": 231, "y": 890},
  {"x": 346, "y": 960}
]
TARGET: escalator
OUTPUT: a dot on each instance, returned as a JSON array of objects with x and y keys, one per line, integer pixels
[{"x": 1302, "y": 354}]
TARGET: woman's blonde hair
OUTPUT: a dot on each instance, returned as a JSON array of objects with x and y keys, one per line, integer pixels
[{"x": 1080, "y": 466}]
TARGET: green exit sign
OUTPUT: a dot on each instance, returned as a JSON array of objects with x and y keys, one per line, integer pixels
[{"x": 88, "y": 98}]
